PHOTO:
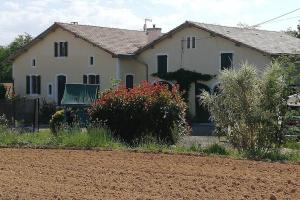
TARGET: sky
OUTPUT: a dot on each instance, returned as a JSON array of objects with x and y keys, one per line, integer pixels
[{"x": 34, "y": 16}]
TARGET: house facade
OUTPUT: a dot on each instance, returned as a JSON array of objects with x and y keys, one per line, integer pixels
[{"x": 72, "y": 53}]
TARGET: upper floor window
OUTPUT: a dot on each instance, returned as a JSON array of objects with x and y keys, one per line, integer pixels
[
  {"x": 33, "y": 63},
  {"x": 226, "y": 60},
  {"x": 60, "y": 49},
  {"x": 129, "y": 81},
  {"x": 33, "y": 84},
  {"x": 162, "y": 65},
  {"x": 92, "y": 59},
  {"x": 191, "y": 42},
  {"x": 91, "y": 79}
]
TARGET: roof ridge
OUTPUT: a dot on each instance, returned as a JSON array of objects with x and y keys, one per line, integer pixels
[
  {"x": 240, "y": 28},
  {"x": 98, "y": 26}
]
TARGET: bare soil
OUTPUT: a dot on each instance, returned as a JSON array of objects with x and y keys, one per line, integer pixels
[{"x": 79, "y": 174}]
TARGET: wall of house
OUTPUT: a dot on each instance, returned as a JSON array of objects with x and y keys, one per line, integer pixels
[
  {"x": 133, "y": 67},
  {"x": 205, "y": 58},
  {"x": 74, "y": 66}
]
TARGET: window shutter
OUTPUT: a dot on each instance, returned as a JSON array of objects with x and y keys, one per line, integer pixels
[
  {"x": 162, "y": 65},
  {"x": 38, "y": 85},
  {"x": 129, "y": 81},
  {"x": 27, "y": 84},
  {"x": 193, "y": 42},
  {"x": 66, "y": 49},
  {"x": 84, "y": 79},
  {"x": 55, "y": 49},
  {"x": 97, "y": 79},
  {"x": 188, "y": 42}
]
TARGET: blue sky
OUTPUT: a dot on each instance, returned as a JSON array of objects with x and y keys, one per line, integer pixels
[{"x": 34, "y": 16}]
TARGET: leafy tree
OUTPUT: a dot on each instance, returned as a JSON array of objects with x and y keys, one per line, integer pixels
[{"x": 5, "y": 52}]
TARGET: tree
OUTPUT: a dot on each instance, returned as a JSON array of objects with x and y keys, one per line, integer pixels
[
  {"x": 250, "y": 107},
  {"x": 294, "y": 33},
  {"x": 6, "y": 51}
]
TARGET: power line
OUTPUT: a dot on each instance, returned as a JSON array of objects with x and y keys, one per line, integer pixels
[{"x": 264, "y": 22}]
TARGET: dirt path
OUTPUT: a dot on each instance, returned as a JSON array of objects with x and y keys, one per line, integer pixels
[{"x": 64, "y": 174}]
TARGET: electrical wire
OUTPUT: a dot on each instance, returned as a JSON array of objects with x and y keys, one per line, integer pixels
[{"x": 267, "y": 21}]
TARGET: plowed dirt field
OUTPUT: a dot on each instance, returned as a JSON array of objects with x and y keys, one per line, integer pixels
[{"x": 80, "y": 174}]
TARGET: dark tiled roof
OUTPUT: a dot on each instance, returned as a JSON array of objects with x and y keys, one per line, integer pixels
[
  {"x": 272, "y": 42},
  {"x": 116, "y": 41}
]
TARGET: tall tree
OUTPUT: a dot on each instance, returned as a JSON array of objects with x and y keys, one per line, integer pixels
[{"x": 6, "y": 51}]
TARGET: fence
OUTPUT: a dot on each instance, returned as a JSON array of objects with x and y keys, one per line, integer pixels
[{"x": 21, "y": 113}]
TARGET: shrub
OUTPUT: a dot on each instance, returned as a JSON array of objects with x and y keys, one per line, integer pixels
[
  {"x": 56, "y": 121},
  {"x": 3, "y": 123},
  {"x": 2, "y": 91},
  {"x": 249, "y": 107},
  {"x": 46, "y": 112},
  {"x": 145, "y": 111},
  {"x": 216, "y": 149}
]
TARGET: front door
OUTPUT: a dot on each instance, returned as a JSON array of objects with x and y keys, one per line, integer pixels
[
  {"x": 202, "y": 114},
  {"x": 61, "y": 82}
]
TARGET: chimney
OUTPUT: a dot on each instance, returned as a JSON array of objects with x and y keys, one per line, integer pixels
[{"x": 153, "y": 33}]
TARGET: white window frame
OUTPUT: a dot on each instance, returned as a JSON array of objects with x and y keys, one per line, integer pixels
[
  {"x": 129, "y": 74},
  {"x": 58, "y": 50},
  {"x": 156, "y": 58},
  {"x": 94, "y": 74},
  {"x": 220, "y": 62},
  {"x": 30, "y": 83}
]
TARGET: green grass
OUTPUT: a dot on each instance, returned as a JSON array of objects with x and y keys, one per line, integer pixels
[
  {"x": 292, "y": 144},
  {"x": 102, "y": 138}
]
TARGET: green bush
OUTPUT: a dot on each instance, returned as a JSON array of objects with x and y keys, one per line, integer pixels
[
  {"x": 249, "y": 107},
  {"x": 145, "y": 111},
  {"x": 56, "y": 121},
  {"x": 3, "y": 123},
  {"x": 46, "y": 112},
  {"x": 216, "y": 149},
  {"x": 2, "y": 91}
]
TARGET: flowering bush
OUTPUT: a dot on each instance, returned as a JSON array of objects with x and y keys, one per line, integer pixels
[
  {"x": 56, "y": 121},
  {"x": 145, "y": 111}
]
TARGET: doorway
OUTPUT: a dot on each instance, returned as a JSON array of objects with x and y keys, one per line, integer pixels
[{"x": 61, "y": 82}]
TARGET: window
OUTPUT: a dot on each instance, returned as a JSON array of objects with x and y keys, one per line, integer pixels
[
  {"x": 33, "y": 84},
  {"x": 188, "y": 42},
  {"x": 193, "y": 42},
  {"x": 162, "y": 65},
  {"x": 226, "y": 60},
  {"x": 60, "y": 49},
  {"x": 129, "y": 81},
  {"x": 91, "y": 79},
  {"x": 33, "y": 63},
  {"x": 50, "y": 89},
  {"x": 92, "y": 60}
]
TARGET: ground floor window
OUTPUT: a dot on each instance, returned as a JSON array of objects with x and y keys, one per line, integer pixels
[
  {"x": 91, "y": 79},
  {"x": 49, "y": 89},
  {"x": 33, "y": 84}
]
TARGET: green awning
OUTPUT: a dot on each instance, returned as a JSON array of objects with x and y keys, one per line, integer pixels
[{"x": 79, "y": 94}]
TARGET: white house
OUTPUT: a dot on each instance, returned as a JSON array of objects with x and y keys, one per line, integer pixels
[{"x": 74, "y": 53}]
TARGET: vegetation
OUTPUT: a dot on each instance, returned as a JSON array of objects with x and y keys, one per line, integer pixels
[
  {"x": 184, "y": 78},
  {"x": 2, "y": 91},
  {"x": 56, "y": 121},
  {"x": 146, "y": 111},
  {"x": 248, "y": 108},
  {"x": 6, "y": 52}
]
